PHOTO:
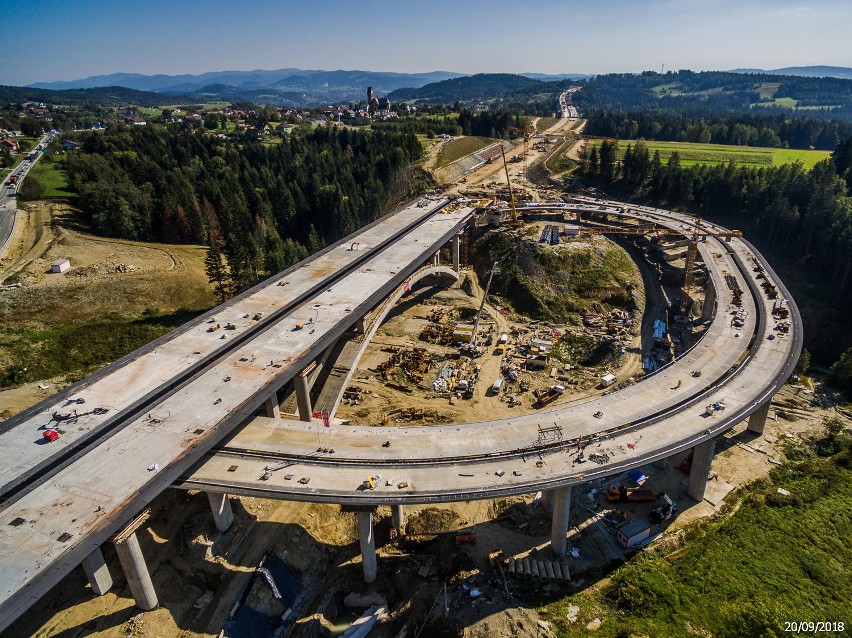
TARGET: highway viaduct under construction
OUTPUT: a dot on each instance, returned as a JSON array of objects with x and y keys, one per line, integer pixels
[{"x": 200, "y": 408}]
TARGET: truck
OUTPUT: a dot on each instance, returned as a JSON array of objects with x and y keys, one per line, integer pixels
[
  {"x": 13, "y": 179},
  {"x": 549, "y": 395},
  {"x": 621, "y": 494},
  {"x": 501, "y": 342}
]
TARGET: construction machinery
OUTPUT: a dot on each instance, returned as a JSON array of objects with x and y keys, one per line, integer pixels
[
  {"x": 516, "y": 221},
  {"x": 621, "y": 494}
]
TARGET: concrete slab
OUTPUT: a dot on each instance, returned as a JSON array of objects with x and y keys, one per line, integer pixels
[{"x": 717, "y": 489}]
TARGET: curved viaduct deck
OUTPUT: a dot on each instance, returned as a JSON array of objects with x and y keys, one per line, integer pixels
[
  {"x": 174, "y": 399},
  {"x": 657, "y": 417}
]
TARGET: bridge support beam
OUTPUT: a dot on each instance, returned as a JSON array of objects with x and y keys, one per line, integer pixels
[
  {"x": 702, "y": 459},
  {"x": 662, "y": 464},
  {"x": 709, "y": 305},
  {"x": 368, "y": 545},
  {"x": 457, "y": 253},
  {"x": 397, "y": 517},
  {"x": 270, "y": 407},
  {"x": 757, "y": 420},
  {"x": 223, "y": 515},
  {"x": 437, "y": 259},
  {"x": 97, "y": 572},
  {"x": 561, "y": 518},
  {"x": 303, "y": 395}
]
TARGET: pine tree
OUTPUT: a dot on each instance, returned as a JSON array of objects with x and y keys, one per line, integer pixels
[{"x": 216, "y": 268}]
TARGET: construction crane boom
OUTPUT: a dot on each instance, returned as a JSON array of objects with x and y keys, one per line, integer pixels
[
  {"x": 482, "y": 305},
  {"x": 515, "y": 220}
]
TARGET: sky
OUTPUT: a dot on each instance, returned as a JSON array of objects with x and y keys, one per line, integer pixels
[{"x": 46, "y": 40}]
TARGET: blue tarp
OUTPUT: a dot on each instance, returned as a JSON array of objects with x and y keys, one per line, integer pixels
[{"x": 637, "y": 476}]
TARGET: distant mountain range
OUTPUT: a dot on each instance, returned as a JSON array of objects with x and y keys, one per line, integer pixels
[
  {"x": 288, "y": 86},
  {"x": 843, "y": 72}
]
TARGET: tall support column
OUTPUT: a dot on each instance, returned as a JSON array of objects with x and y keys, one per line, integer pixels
[
  {"x": 561, "y": 518},
  {"x": 709, "y": 301},
  {"x": 437, "y": 259},
  {"x": 368, "y": 545},
  {"x": 270, "y": 407},
  {"x": 397, "y": 516},
  {"x": 133, "y": 564},
  {"x": 757, "y": 420},
  {"x": 702, "y": 459},
  {"x": 662, "y": 464},
  {"x": 223, "y": 515},
  {"x": 547, "y": 500},
  {"x": 303, "y": 395},
  {"x": 97, "y": 572},
  {"x": 456, "y": 253}
]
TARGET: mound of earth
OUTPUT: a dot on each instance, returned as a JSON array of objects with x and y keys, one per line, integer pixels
[{"x": 557, "y": 283}]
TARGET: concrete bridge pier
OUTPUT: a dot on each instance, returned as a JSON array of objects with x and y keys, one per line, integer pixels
[
  {"x": 397, "y": 517},
  {"x": 133, "y": 564},
  {"x": 757, "y": 420},
  {"x": 561, "y": 517},
  {"x": 547, "y": 500},
  {"x": 97, "y": 572},
  {"x": 702, "y": 459},
  {"x": 303, "y": 393},
  {"x": 709, "y": 305},
  {"x": 437, "y": 259},
  {"x": 456, "y": 253},
  {"x": 223, "y": 515},
  {"x": 661, "y": 464},
  {"x": 271, "y": 407},
  {"x": 368, "y": 545}
]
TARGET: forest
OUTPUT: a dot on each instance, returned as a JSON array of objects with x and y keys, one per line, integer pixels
[
  {"x": 260, "y": 207},
  {"x": 804, "y": 215},
  {"x": 712, "y": 93},
  {"x": 746, "y": 129}
]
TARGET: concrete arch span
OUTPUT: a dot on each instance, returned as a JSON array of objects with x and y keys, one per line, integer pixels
[{"x": 379, "y": 315}]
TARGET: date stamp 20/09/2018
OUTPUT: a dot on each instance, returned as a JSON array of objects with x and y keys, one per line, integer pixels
[{"x": 811, "y": 627}]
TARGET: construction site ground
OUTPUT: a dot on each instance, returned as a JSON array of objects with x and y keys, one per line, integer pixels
[{"x": 200, "y": 574}]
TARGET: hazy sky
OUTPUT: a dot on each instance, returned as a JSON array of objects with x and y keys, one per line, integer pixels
[{"x": 68, "y": 39}]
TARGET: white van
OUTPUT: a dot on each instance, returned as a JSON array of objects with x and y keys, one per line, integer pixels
[{"x": 495, "y": 387}]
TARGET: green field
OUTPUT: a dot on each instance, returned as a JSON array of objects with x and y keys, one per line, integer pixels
[
  {"x": 691, "y": 154},
  {"x": 545, "y": 123},
  {"x": 461, "y": 146},
  {"x": 50, "y": 173}
]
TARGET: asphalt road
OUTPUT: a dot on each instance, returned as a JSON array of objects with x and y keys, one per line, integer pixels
[{"x": 8, "y": 205}]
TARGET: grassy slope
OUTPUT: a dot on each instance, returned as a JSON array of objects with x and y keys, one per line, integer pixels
[
  {"x": 50, "y": 173},
  {"x": 691, "y": 153},
  {"x": 777, "y": 559},
  {"x": 461, "y": 146}
]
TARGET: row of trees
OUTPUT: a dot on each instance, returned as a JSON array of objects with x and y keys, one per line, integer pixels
[
  {"x": 746, "y": 129},
  {"x": 259, "y": 207},
  {"x": 804, "y": 215}
]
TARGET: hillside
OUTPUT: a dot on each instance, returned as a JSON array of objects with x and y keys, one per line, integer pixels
[
  {"x": 72, "y": 97},
  {"x": 481, "y": 86},
  {"x": 716, "y": 92}
]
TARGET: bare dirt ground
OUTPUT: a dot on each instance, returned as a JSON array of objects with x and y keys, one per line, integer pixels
[{"x": 199, "y": 574}]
